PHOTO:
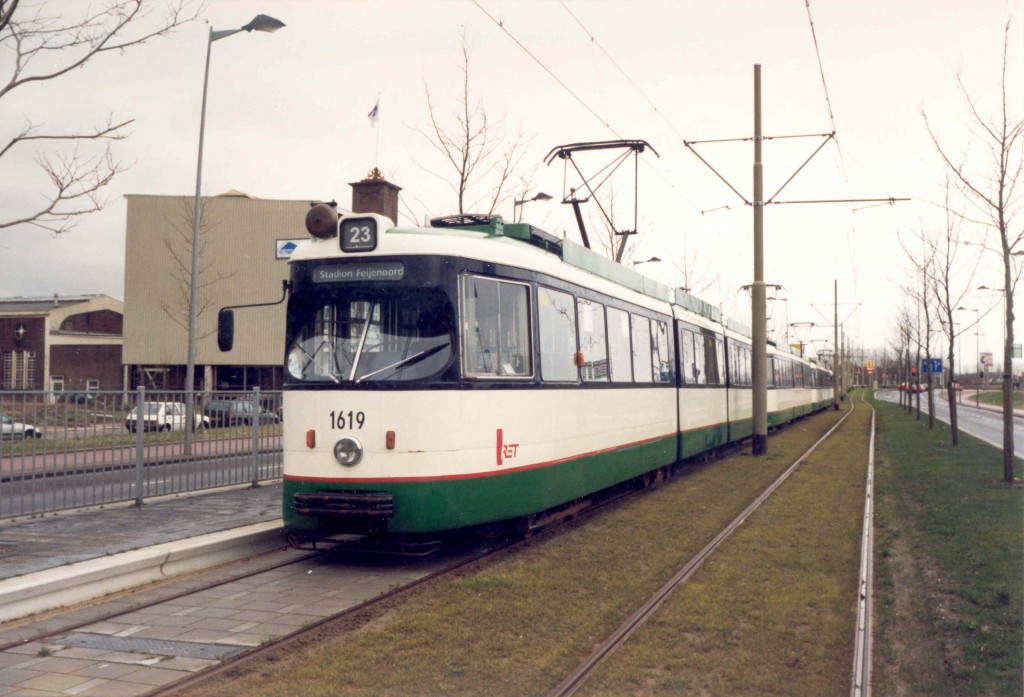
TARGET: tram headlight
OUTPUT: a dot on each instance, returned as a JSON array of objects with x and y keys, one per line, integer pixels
[
  {"x": 348, "y": 451},
  {"x": 295, "y": 363}
]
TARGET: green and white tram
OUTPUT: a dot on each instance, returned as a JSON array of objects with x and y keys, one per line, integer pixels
[{"x": 473, "y": 372}]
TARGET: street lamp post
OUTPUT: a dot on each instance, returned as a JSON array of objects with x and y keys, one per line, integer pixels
[
  {"x": 652, "y": 260},
  {"x": 1007, "y": 373},
  {"x": 977, "y": 351},
  {"x": 539, "y": 196},
  {"x": 259, "y": 23}
]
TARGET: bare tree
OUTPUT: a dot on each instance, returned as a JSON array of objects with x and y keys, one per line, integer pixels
[
  {"x": 904, "y": 333},
  {"x": 919, "y": 288},
  {"x": 477, "y": 155},
  {"x": 991, "y": 190},
  {"x": 609, "y": 240},
  {"x": 694, "y": 272},
  {"x": 178, "y": 245},
  {"x": 951, "y": 282},
  {"x": 77, "y": 164}
]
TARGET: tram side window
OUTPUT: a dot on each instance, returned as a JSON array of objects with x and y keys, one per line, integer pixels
[
  {"x": 659, "y": 352},
  {"x": 712, "y": 358},
  {"x": 642, "y": 371},
  {"x": 620, "y": 363},
  {"x": 593, "y": 341},
  {"x": 739, "y": 365},
  {"x": 495, "y": 328},
  {"x": 557, "y": 326},
  {"x": 694, "y": 372}
]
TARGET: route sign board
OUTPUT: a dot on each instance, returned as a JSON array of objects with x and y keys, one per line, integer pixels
[{"x": 931, "y": 365}]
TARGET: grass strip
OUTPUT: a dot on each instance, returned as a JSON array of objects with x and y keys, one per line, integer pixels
[
  {"x": 773, "y": 611},
  {"x": 519, "y": 625},
  {"x": 949, "y": 564}
]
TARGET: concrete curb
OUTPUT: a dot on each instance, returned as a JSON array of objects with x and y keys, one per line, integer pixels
[{"x": 26, "y": 595}]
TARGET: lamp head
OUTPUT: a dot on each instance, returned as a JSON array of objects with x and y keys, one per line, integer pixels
[{"x": 263, "y": 23}]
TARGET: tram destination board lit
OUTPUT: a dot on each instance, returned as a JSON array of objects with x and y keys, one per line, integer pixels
[
  {"x": 359, "y": 273},
  {"x": 358, "y": 234}
]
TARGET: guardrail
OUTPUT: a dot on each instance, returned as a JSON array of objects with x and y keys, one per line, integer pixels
[{"x": 62, "y": 451}]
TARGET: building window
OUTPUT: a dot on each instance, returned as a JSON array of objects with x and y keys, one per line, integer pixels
[{"x": 19, "y": 370}]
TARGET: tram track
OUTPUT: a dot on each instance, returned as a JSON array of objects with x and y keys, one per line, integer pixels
[
  {"x": 39, "y": 631},
  {"x": 862, "y": 656},
  {"x": 232, "y": 663},
  {"x": 526, "y": 532},
  {"x": 628, "y": 626}
]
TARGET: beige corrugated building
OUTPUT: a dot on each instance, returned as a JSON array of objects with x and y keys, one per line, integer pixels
[
  {"x": 239, "y": 263},
  {"x": 243, "y": 252}
]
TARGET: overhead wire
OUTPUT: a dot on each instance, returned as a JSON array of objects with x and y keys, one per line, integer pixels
[
  {"x": 618, "y": 67},
  {"x": 604, "y": 121},
  {"x": 546, "y": 69},
  {"x": 839, "y": 151}
]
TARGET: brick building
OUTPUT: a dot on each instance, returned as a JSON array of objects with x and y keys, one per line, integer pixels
[{"x": 69, "y": 343}]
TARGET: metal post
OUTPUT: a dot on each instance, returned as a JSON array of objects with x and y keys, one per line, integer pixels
[
  {"x": 140, "y": 404},
  {"x": 759, "y": 369},
  {"x": 256, "y": 437},
  {"x": 835, "y": 342},
  {"x": 190, "y": 367}
]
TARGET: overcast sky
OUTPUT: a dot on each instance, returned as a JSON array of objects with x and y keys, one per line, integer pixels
[{"x": 287, "y": 119}]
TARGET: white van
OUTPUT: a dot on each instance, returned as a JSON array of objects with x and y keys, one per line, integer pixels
[{"x": 163, "y": 416}]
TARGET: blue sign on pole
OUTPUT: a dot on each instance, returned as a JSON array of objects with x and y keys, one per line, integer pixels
[{"x": 931, "y": 365}]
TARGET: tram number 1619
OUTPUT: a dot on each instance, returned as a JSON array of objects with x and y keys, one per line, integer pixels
[{"x": 342, "y": 420}]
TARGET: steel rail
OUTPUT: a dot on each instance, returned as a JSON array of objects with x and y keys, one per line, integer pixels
[
  {"x": 861, "y": 683},
  {"x": 576, "y": 678},
  {"x": 233, "y": 662},
  {"x": 52, "y": 626}
]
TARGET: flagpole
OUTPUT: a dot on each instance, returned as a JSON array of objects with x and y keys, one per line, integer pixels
[{"x": 374, "y": 115}]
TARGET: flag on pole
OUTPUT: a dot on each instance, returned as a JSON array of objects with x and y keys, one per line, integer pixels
[{"x": 373, "y": 113}]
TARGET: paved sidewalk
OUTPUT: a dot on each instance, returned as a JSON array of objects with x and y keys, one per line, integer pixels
[
  {"x": 57, "y": 540},
  {"x": 966, "y": 399}
]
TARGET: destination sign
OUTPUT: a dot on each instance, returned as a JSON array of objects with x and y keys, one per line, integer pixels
[
  {"x": 359, "y": 273},
  {"x": 358, "y": 234}
]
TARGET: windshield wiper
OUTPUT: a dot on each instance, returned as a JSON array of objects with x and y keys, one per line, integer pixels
[
  {"x": 312, "y": 359},
  {"x": 405, "y": 361},
  {"x": 362, "y": 343}
]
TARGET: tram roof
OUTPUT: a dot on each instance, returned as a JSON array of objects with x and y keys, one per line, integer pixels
[{"x": 582, "y": 258}]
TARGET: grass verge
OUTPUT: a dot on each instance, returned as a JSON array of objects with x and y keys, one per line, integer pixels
[{"x": 949, "y": 568}]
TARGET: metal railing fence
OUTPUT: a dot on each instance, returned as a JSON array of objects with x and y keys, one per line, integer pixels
[{"x": 67, "y": 450}]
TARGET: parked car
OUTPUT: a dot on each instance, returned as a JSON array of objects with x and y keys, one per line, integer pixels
[
  {"x": 235, "y": 412},
  {"x": 78, "y": 398},
  {"x": 163, "y": 416},
  {"x": 9, "y": 428}
]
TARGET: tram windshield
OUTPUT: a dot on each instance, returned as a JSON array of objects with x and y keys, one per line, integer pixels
[{"x": 369, "y": 335}]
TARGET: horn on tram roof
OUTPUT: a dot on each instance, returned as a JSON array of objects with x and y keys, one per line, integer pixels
[{"x": 322, "y": 220}]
